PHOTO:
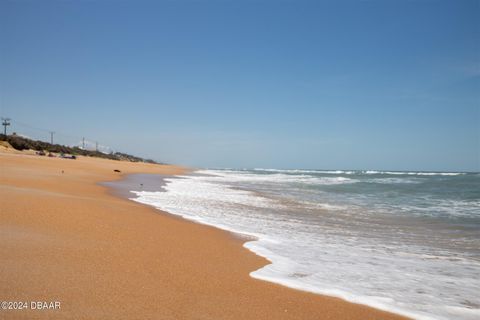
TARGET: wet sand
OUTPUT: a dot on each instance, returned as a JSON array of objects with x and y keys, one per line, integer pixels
[{"x": 65, "y": 237}]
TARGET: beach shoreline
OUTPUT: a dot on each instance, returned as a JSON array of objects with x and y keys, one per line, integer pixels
[{"x": 67, "y": 238}]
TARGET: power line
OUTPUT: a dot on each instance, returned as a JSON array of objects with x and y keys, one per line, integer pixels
[
  {"x": 18, "y": 123},
  {"x": 26, "y": 125},
  {"x": 84, "y": 142}
]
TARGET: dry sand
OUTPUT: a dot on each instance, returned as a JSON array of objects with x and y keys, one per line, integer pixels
[{"x": 65, "y": 238}]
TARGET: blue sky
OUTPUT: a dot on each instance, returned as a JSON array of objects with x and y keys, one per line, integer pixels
[{"x": 390, "y": 84}]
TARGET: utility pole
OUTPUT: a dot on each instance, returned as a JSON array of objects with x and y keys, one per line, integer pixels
[
  {"x": 83, "y": 143},
  {"x": 51, "y": 136},
  {"x": 96, "y": 146},
  {"x": 5, "y": 123}
]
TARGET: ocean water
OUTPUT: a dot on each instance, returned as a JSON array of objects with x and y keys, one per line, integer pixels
[{"x": 406, "y": 242}]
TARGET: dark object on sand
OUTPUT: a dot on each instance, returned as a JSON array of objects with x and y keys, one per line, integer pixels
[
  {"x": 66, "y": 156},
  {"x": 51, "y": 155},
  {"x": 116, "y": 170},
  {"x": 40, "y": 153}
]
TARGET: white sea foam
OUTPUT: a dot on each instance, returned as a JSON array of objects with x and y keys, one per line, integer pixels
[
  {"x": 347, "y": 172},
  {"x": 307, "y": 171},
  {"x": 414, "y": 173},
  {"x": 337, "y": 248},
  {"x": 280, "y": 178},
  {"x": 392, "y": 180},
  {"x": 446, "y": 208}
]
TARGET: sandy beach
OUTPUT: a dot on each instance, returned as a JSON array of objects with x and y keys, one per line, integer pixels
[{"x": 66, "y": 238}]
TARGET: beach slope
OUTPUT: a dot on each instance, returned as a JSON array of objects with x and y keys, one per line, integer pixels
[{"x": 65, "y": 238}]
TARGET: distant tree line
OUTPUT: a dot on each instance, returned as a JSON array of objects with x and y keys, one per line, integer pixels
[{"x": 22, "y": 143}]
